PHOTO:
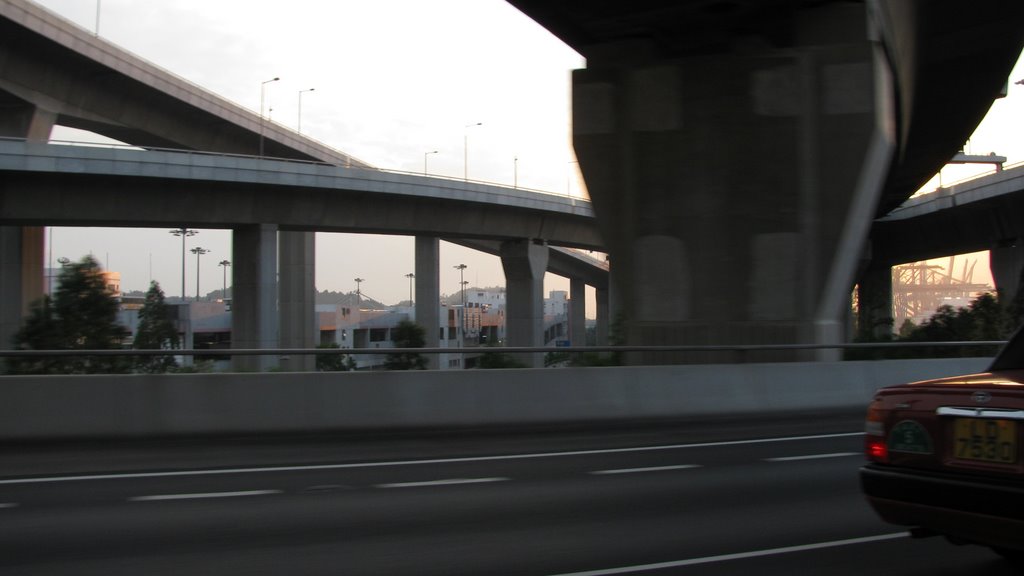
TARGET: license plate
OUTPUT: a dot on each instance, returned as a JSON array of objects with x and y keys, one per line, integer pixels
[{"x": 985, "y": 440}]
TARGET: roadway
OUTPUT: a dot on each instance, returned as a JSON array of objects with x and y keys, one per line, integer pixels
[{"x": 712, "y": 497}]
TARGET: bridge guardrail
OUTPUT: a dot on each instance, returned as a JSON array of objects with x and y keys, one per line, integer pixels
[{"x": 373, "y": 169}]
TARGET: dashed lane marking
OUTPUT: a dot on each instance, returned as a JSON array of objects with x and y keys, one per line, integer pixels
[
  {"x": 642, "y": 470},
  {"x": 813, "y": 457},
  {"x": 159, "y": 497},
  {"x": 447, "y": 482}
]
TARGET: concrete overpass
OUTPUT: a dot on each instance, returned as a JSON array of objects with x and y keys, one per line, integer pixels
[
  {"x": 52, "y": 72},
  {"x": 751, "y": 144},
  {"x": 831, "y": 108},
  {"x": 985, "y": 213}
]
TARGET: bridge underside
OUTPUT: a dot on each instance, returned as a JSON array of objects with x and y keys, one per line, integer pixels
[{"x": 737, "y": 157}]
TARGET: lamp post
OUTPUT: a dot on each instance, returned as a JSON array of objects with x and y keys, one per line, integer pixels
[
  {"x": 263, "y": 90},
  {"x": 465, "y": 149},
  {"x": 300, "y": 107},
  {"x": 224, "y": 287},
  {"x": 462, "y": 283},
  {"x": 184, "y": 233},
  {"x": 425, "y": 154},
  {"x": 410, "y": 276},
  {"x": 198, "y": 251},
  {"x": 568, "y": 177},
  {"x": 359, "y": 292},
  {"x": 515, "y": 172}
]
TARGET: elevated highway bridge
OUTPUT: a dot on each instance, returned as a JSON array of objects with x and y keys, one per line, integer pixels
[{"x": 836, "y": 111}]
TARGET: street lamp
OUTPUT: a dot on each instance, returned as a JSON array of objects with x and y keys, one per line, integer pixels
[
  {"x": 224, "y": 289},
  {"x": 300, "y": 107},
  {"x": 462, "y": 281},
  {"x": 515, "y": 172},
  {"x": 359, "y": 292},
  {"x": 425, "y": 154},
  {"x": 568, "y": 177},
  {"x": 198, "y": 251},
  {"x": 184, "y": 233},
  {"x": 410, "y": 276},
  {"x": 465, "y": 149},
  {"x": 263, "y": 90}
]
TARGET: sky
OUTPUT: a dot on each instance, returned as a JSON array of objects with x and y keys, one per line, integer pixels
[{"x": 392, "y": 80}]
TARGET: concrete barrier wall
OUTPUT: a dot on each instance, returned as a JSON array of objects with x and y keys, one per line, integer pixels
[{"x": 129, "y": 406}]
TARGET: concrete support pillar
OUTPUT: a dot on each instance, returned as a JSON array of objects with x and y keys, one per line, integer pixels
[
  {"x": 21, "y": 277},
  {"x": 254, "y": 315},
  {"x": 735, "y": 190},
  {"x": 1007, "y": 266},
  {"x": 525, "y": 262},
  {"x": 299, "y": 327},
  {"x": 21, "y": 248},
  {"x": 577, "y": 312},
  {"x": 27, "y": 121},
  {"x": 874, "y": 303},
  {"x": 428, "y": 293},
  {"x": 603, "y": 316}
]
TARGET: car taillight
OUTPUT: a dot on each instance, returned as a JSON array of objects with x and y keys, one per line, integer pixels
[{"x": 875, "y": 448}]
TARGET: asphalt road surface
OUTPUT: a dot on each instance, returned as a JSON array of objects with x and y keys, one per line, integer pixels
[{"x": 695, "y": 499}]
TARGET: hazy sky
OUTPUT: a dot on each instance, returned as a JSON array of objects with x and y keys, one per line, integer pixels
[{"x": 393, "y": 79}]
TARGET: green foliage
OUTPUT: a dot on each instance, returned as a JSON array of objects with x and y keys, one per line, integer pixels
[
  {"x": 333, "y": 362},
  {"x": 407, "y": 335},
  {"x": 82, "y": 315},
  {"x": 156, "y": 331},
  {"x": 985, "y": 318}
]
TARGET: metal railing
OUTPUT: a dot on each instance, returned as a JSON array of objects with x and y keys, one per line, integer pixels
[{"x": 499, "y": 349}]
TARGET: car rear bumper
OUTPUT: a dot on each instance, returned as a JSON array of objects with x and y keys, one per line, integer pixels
[{"x": 972, "y": 509}]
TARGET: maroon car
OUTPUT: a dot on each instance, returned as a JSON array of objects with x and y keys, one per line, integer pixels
[{"x": 946, "y": 455}]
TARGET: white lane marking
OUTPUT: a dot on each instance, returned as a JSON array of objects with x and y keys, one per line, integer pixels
[
  {"x": 641, "y": 470},
  {"x": 737, "y": 556},
  {"x": 159, "y": 497},
  {"x": 813, "y": 457},
  {"x": 8, "y": 505},
  {"x": 448, "y": 482},
  {"x": 42, "y": 479}
]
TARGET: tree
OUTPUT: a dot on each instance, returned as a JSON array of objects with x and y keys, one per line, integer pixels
[
  {"x": 407, "y": 335},
  {"x": 156, "y": 332},
  {"x": 333, "y": 362},
  {"x": 82, "y": 315},
  {"x": 984, "y": 318}
]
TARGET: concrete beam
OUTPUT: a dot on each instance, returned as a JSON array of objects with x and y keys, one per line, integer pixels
[
  {"x": 21, "y": 248},
  {"x": 705, "y": 253},
  {"x": 1007, "y": 266},
  {"x": 297, "y": 288},
  {"x": 525, "y": 262},
  {"x": 254, "y": 306},
  {"x": 874, "y": 303},
  {"x": 428, "y": 292},
  {"x": 577, "y": 312}
]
